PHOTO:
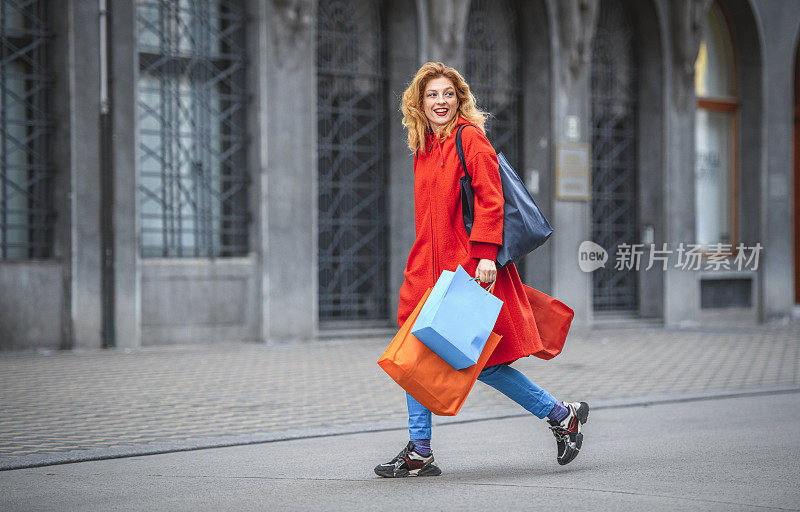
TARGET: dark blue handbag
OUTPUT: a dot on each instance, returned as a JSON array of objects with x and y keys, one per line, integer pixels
[{"x": 524, "y": 225}]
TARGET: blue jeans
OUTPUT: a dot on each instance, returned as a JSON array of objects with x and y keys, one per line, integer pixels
[{"x": 504, "y": 379}]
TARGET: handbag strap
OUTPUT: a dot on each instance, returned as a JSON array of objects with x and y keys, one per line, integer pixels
[{"x": 460, "y": 150}]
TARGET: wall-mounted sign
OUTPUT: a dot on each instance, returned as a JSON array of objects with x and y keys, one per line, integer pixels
[
  {"x": 572, "y": 128},
  {"x": 573, "y": 171},
  {"x": 533, "y": 181}
]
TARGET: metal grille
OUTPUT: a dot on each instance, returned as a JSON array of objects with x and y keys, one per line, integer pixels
[
  {"x": 352, "y": 114},
  {"x": 26, "y": 207},
  {"x": 495, "y": 76},
  {"x": 614, "y": 154},
  {"x": 191, "y": 105},
  {"x": 494, "y": 72}
]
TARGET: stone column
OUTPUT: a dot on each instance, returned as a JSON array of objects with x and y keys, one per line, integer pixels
[
  {"x": 574, "y": 23},
  {"x": 402, "y": 62},
  {"x": 779, "y": 29},
  {"x": 84, "y": 170},
  {"x": 287, "y": 163},
  {"x": 537, "y": 80},
  {"x": 681, "y": 287},
  {"x": 257, "y": 151},
  {"x": 125, "y": 141}
]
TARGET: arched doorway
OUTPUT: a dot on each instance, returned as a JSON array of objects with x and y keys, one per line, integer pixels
[
  {"x": 614, "y": 105},
  {"x": 351, "y": 128}
]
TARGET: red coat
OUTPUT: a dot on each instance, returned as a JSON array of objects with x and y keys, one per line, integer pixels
[{"x": 442, "y": 242}]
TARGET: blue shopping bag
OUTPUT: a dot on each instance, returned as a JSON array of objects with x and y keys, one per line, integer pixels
[{"x": 457, "y": 318}]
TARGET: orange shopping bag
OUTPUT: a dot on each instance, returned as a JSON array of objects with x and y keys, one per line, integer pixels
[
  {"x": 426, "y": 376},
  {"x": 553, "y": 319}
]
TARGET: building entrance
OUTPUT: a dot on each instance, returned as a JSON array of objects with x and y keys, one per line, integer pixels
[
  {"x": 614, "y": 154},
  {"x": 352, "y": 181}
]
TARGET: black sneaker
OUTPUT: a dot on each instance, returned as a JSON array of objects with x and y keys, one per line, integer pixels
[
  {"x": 568, "y": 431},
  {"x": 408, "y": 463}
]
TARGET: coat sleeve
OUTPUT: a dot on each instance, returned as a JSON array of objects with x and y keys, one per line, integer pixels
[{"x": 487, "y": 228}]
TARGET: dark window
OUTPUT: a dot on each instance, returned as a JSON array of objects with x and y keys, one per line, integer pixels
[
  {"x": 191, "y": 123},
  {"x": 26, "y": 210},
  {"x": 725, "y": 293}
]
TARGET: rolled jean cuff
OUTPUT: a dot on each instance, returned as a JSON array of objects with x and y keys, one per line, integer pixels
[{"x": 419, "y": 433}]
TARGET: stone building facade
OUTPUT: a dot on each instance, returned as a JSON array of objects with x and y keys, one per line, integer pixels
[{"x": 176, "y": 171}]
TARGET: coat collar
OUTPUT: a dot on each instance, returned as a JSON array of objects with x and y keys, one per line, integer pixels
[{"x": 431, "y": 137}]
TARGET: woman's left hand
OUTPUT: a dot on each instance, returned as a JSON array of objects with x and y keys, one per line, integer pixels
[{"x": 487, "y": 271}]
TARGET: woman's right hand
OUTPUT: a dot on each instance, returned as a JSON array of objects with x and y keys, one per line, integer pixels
[{"x": 487, "y": 271}]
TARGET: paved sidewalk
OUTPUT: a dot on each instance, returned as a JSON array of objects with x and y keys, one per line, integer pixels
[
  {"x": 94, "y": 404},
  {"x": 669, "y": 462}
]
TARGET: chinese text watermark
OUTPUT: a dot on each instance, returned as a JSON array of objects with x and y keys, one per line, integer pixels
[{"x": 714, "y": 257}]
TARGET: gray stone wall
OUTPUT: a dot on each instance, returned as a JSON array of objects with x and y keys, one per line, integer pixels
[{"x": 32, "y": 305}]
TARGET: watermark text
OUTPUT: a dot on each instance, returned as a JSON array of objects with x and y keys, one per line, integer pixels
[{"x": 636, "y": 257}]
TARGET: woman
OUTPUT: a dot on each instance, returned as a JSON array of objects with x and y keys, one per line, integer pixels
[{"x": 437, "y": 101}]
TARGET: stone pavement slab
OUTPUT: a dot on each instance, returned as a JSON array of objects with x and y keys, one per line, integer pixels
[
  {"x": 78, "y": 405},
  {"x": 714, "y": 455}
]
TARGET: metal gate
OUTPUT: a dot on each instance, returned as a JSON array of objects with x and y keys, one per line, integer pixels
[
  {"x": 26, "y": 205},
  {"x": 494, "y": 75},
  {"x": 352, "y": 181},
  {"x": 614, "y": 154}
]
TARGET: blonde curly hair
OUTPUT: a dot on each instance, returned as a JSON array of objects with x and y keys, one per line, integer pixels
[{"x": 414, "y": 116}]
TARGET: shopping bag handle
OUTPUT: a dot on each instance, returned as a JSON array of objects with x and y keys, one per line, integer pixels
[{"x": 490, "y": 289}]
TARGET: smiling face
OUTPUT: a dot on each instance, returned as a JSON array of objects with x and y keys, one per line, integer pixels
[{"x": 439, "y": 102}]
